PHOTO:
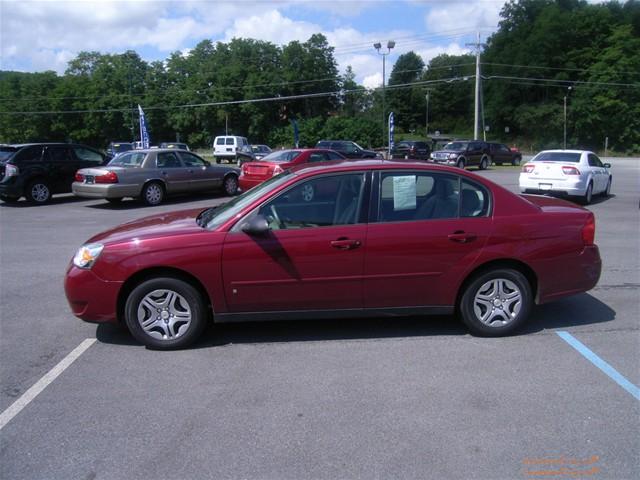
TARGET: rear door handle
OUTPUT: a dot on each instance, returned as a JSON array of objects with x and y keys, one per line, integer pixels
[
  {"x": 462, "y": 237},
  {"x": 345, "y": 244}
]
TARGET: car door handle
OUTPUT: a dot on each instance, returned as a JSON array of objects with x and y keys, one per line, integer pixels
[
  {"x": 345, "y": 244},
  {"x": 462, "y": 237}
]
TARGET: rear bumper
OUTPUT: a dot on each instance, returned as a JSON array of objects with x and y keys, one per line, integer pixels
[
  {"x": 110, "y": 190},
  {"x": 91, "y": 299},
  {"x": 248, "y": 183},
  {"x": 569, "y": 187}
]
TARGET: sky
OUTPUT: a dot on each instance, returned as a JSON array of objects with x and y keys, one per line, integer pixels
[{"x": 45, "y": 34}]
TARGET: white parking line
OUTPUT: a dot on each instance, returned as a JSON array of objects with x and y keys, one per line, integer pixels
[{"x": 40, "y": 385}]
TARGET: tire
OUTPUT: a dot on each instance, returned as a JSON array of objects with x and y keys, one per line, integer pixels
[
  {"x": 496, "y": 302},
  {"x": 114, "y": 201},
  {"x": 165, "y": 313},
  {"x": 607, "y": 191},
  {"x": 230, "y": 185},
  {"x": 484, "y": 163},
  {"x": 516, "y": 161},
  {"x": 153, "y": 193},
  {"x": 7, "y": 199},
  {"x": 217, "y": 160},
  {"x": 38, "y": 192},
  {"x": 460, "y": 163},
  {"x": 588, "y": 195}
]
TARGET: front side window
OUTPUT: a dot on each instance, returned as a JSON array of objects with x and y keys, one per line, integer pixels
[
  {"x": 191, "y": 160},
  {"x": 168, "y": 160},
  {"x": 321, "y": 202},
  {"x": 594, "y": 161},
  {"x": 58, "y": 154}
]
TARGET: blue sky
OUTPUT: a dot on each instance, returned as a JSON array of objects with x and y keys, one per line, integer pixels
[{"x": 46, "y": 34}]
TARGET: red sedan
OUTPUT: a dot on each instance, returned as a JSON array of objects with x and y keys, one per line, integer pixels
[
  {"x": 375, "y": 238},
  {"x": 254, "y": 173}
]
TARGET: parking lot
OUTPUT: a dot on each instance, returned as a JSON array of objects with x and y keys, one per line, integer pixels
[{"x": 375, "y": 398}]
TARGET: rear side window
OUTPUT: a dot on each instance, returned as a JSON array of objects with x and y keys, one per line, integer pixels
[
  {"x": 317, "y": 157},
  {"x": 474, "y": 200},
  {"x": 87, "y": 155},
  {"x": 29, "y": 155},
  {"x": 128, "y": 160}
]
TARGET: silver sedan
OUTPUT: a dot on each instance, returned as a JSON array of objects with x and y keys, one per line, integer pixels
[{"x": 152, "y": 174}]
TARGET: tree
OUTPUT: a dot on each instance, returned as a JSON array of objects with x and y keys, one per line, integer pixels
[{"x": 407, "y": 101}]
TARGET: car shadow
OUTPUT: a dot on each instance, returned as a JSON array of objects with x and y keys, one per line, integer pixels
[
  {"x": 133, "y": 203},
  {"x": 60, "y": 199},
  {"x": 579, "y": 310}
]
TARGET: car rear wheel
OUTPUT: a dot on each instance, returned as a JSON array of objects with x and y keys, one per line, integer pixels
[
  {"x": 231, "y": 185},
  {"x": 153, "y": 193},
  {"x": 39, "y": 192},
  {"x": 165, "y": 313},
  {"x": 496, "y": 302}
]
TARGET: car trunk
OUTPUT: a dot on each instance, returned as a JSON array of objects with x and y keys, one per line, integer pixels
[{"x": 550, "y": 170}]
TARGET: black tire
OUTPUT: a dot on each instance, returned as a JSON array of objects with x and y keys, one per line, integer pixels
[
  {"x": 516, "y": 161},
  {"x": 230, "y": 185},
  {"x": 114, "y": 201},
  {"x": 461, "y": 163},
  {"x": 607, "y": 191},
  {"x": 38, "y": 192},
  {"x": 7, "y": 199},
  {"x": 153, "y": 193},
  {"x": 496, "y": 302},
  {"x": 180, "y": 316},
  {"x": 484, "y": 163},
  {"x": 588, "y": 194}
]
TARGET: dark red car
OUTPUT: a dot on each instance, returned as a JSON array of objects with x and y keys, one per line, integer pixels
[
  {"x": 375, "y": 238},
  {"x": 254, "y": 173}
]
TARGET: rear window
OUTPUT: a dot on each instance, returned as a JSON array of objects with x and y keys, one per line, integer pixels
[
  {"x": 128, "y": 160},
  {"x": 557, "y": 157},
  {"x": 220, "y": 141},
  {"x": 280, "y": 156},
  {"x": 229, "y": 141}
]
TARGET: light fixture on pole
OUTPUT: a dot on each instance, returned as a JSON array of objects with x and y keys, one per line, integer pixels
[
  {"x": 565, "y": 118},
  {"x": 378, "y": 47}
]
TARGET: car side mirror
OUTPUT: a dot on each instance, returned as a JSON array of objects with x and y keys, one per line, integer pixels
[
  {"x": 607, "y": 165},
  {"x": 207, "y": 163},
  {"x": 258, "y": 225}
]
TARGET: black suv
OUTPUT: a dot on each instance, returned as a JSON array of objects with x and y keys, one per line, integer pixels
[
  {"x": 38, "y": 170},
  {"x": 413, "y": 149},
  {"x": 501, "y": 154},
  {"x": 464, "y": 153},
  {"x": 346, "y": 148}
]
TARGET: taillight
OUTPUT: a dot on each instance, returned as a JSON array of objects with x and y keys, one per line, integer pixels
[
  {"x": 528, "y": 168},
  {"x": 10, "y": 170},
  {"x": 277, "y": 170},
  {"x": 79, "y": 177},
  {"x": 109, "y": 177},
  {"x": 589, "y": 230},
  {"x": 570, "y": 171}
]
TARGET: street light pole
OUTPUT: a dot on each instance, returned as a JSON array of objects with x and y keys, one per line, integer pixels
[
  {"x": 426, "y": 115},
  {"x": 565, "y": 118},
  {"x": 378, "y": 46}
]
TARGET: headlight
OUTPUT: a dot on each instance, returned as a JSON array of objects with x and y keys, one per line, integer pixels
[
  {"x": 87, "y": 255},
  {"x": 453, "y": 155}
]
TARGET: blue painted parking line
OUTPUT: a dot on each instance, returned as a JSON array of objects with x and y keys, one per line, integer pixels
[{"x": 611, "y": 372}]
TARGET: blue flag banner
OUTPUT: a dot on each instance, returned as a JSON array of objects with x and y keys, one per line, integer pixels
[
  {"x": 391, "y": 131},
  {"x": 144, "y": 132}
]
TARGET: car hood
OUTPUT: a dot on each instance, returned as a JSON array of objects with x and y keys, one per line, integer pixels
[{"x": 156, "y": 226}]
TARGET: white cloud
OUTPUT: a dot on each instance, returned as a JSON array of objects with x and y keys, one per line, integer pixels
[
  {"x": 372, "y": 81},
  {"x": 468, "y": 15},
  {"x": 271, "y": 26}
]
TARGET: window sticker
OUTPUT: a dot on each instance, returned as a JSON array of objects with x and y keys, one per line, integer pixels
[{"x": 404, "y": 193}]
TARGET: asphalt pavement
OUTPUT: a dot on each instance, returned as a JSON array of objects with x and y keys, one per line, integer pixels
[{"x": 372, "y": 398}]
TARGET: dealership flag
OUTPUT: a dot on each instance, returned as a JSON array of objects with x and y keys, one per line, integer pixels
[
  {"x": 390, "y": 131},
  {"x": 144, "y": 133}
]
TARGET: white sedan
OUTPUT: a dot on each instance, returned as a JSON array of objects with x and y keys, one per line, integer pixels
[{"x": 574, "y": 173}]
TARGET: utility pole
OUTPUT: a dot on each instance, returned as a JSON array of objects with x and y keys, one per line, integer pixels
[
  {"x": 478, "y": 47},
  {"x": 426, "y": 116}
]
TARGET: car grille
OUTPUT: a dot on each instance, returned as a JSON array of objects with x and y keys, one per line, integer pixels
[{"x": 440, "y": 156}]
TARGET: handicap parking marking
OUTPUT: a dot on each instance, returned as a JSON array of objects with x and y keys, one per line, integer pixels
[
  {"x": 611, "y": 372},
  {"x": 26, "y": 398}
]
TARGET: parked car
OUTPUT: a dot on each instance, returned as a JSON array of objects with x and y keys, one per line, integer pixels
[
  {"x": 378, "y": 238},
  {"x": 39, "y": 170},
  {"x": 500, "y": 154},
  {"x": 115, "y": 148},
  {"x": 573, "y": 173},
  {"x": 347, "y": 148},
  {"x": 260, "y": 151},
  {"x": 411, "y": 149},
  {"x": 254, "y": 173},
  {"x": 230, "y": 148},
  {"x": 179, "y": 146},
  {"x": 463, "y": 153},
  {"x": 152, "y": 174}
]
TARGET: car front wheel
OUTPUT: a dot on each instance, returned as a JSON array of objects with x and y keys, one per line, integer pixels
[
  {"x": 496, "y": 303},
  {"x": 588, "y": 195},
  {"x": 165, "y": 313},
  {"x": 484, "y": 163},
  {"x": 607, "y": 191},
  {"x": 460, "y": 163}
]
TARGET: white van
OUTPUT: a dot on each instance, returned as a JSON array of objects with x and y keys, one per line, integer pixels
[{"x": 232, "y": 149}]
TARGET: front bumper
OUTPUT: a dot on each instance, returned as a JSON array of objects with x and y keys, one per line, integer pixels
[
  {"x": 91, "y": 298},
  {"x": 12, "y": 187},
  {"x": 105, "y": 190}
]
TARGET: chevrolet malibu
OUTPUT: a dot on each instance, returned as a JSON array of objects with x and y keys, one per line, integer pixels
[{"x": 376, "y": 238}]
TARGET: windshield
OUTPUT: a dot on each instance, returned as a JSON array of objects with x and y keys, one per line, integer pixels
[
  {"x": 557, "y": 157},
  {"x": 281, "y": 156},
  {"x": 216, "y": 216},
  {"x": 456, "y": 146},
  {"x": 128, "y": 160}
]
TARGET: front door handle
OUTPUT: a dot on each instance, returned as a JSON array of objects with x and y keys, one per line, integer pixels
[
  {"x": 345, "y": 244},
  {"x": 462, "y": 237}
]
